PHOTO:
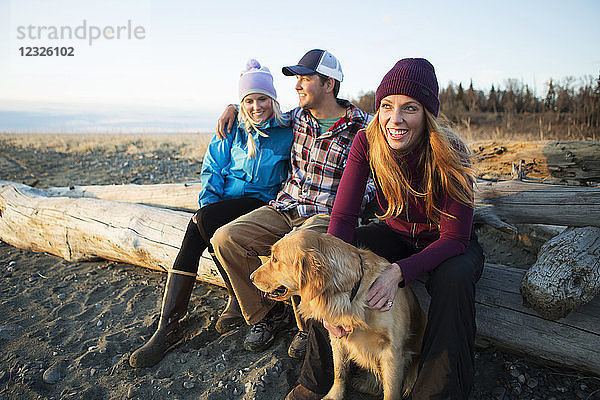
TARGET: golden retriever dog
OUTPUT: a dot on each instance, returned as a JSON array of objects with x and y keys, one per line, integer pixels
[{"x": 333, "y": 278}]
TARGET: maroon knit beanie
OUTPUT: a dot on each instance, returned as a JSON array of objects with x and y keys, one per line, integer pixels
[{"x": 413, "y": 77}]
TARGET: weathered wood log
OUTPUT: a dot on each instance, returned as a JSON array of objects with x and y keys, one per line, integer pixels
[
  {"x": 82, "y": 229},
  {"x": 501, "y": 203},
  {"x": 574, "y": 161},
  {"x": 177, "y": 196},
  {"x": 537, "y": 203},
  {"x": 503, "y": 320},
  {"x": 78, "y": 229},
  {"x": 565, "y": 275}
]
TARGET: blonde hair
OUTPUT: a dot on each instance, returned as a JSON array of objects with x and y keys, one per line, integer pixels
[
  {"x": 444, "y": 162},
  {"x": 253, "y": 126}
]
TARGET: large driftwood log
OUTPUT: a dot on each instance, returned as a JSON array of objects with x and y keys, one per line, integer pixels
[
  {"x": 176, "y": 196},
  {"x": 536, "y": 203},
  {"x": 77, "y": 229},
  {"x": 574, "y": 161},
  {"x": 82, "y": 229},
  {"x": 513, "y": 201},
  {"x": 565, "y": 275}
]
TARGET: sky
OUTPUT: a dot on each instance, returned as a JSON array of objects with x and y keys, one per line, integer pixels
[{"x": 176, "y": 64}]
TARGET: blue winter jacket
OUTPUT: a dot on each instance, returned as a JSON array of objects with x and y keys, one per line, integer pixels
[{"x": 228, "y": 173}]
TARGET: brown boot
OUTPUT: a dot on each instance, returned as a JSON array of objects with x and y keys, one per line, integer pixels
[
  {"x": 178, "y": 290},
  {"x": 231, "y": 317}
]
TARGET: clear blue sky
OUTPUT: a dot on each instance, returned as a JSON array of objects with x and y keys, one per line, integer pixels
[{"x": 185, "y": 69}]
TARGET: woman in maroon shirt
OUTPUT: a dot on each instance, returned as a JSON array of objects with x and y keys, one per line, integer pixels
[{"x": 425, "y": 199}]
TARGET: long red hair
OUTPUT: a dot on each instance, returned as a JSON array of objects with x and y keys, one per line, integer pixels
[{"x": 444, "y": 162}]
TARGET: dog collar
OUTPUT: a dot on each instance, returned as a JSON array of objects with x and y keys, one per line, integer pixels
[{"x": 357, "y": 284}]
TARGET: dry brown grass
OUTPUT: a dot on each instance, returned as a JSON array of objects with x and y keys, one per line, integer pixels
[
  {"x": 476, "y": 134},
  {"x": 522, "y": 127},
  {"x": 191, "y": 146}
]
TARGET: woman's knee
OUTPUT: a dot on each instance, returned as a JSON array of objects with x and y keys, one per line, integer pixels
[
  {"x": 201, "y": 223},
  {"x": 453, "y": 273},
  {"x": 191, "y": 232},
  {"x": 458, "y": 273}
]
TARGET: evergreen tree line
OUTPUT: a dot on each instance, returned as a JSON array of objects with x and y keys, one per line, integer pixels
[{"x": 571, "y": 105}]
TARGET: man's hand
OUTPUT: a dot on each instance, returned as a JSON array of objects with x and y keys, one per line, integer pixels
[
  {"x": 226, "y": 121},
  {"x": 383, "y": 291}
]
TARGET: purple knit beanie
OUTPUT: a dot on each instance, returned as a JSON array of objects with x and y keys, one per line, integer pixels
[
  {"x": 256, "y": 79},
  {"x": 413, "y": 77}
]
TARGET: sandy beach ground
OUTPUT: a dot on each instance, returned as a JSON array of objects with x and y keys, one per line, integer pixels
[{"x": 67, "y": 329}]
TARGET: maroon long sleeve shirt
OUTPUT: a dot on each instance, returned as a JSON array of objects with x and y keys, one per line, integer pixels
[{"x": 434, "y": 244}]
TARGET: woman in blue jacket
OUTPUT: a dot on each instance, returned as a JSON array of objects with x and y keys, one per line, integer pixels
[{"x": 239, "y": 174}]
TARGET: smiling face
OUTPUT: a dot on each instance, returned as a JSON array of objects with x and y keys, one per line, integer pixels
[
  {"x": 402, "y": 120},
  {"x": 311, "y": 91},
  {"x": 258, "y": 106}
]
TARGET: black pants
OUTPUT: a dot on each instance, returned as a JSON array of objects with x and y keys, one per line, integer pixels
[
  {"x": 446, "y": 366},
  {"x": 209, "y": 218}
]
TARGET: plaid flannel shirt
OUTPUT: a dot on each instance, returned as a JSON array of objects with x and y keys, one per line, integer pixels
[{"x": 318, "y": 161}]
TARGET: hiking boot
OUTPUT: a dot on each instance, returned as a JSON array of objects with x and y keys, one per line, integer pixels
[
  {"x": 178, "y": 290},
  {"x": 262, "y": 334},
  {"x": 231, "y": 317},
  {"x": 297, "y": 347},
  {"x": 302, "y": 393}
]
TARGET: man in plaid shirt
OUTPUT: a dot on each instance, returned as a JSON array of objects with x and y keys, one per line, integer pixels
[
  {"x": 324, "y": 128},
  {"x": 318, "y": 160}
]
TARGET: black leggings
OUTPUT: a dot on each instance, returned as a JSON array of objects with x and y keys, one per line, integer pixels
[
  {"x": 446, "y": 366},
  {"x": 209, "y": 218}
]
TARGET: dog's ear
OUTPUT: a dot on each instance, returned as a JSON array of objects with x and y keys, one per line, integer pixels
[{"x": 312, "y": 273}]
